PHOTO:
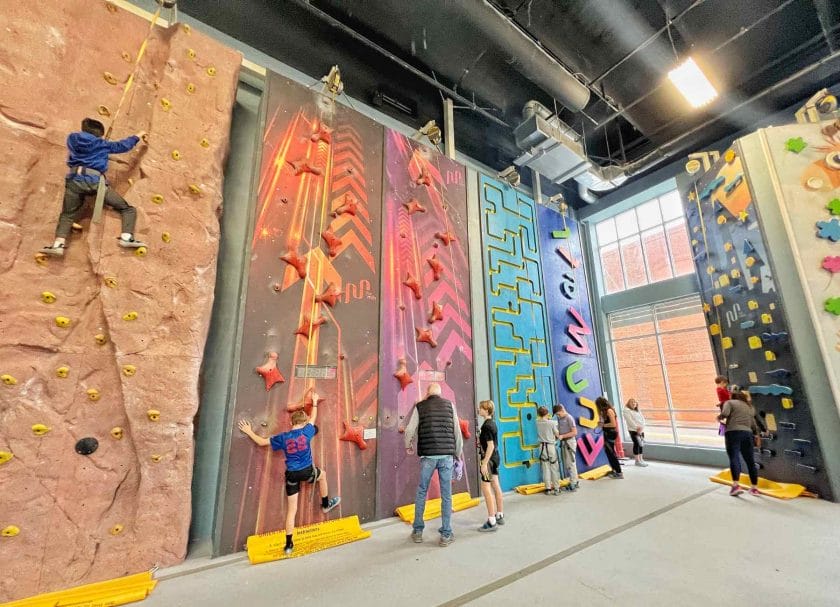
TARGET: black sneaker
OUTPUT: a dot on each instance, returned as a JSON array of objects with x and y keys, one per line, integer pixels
[
  {"x": 288, "y": 550},
  {"x": 500, "y": 519},
  {"x": 54, "y": 251},
  {"x": 487, "y": 527},
  {"x": 334, "y": 501}
]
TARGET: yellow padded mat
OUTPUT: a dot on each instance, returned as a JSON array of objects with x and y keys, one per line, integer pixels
[
  {"x": 783, "y": 491},
  {"x": 311, "y": 538},
  {"x": 120, "y": 591},
  {"x": 537, "y": 487},
  {"x": 460, "y": 501},
  {"x": 595, "y": 473}
]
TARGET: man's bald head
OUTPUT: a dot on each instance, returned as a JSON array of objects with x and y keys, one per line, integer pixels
[{"x": 433, "y": 390}]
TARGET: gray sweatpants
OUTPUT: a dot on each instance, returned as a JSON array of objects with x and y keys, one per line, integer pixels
[
  {"x": 568, "y": 451},
  {"x": 550, "y": 466},
  {"x": 75, "y": 193}
]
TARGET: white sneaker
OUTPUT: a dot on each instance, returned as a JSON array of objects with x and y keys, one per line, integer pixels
[{"x": 642, "y": 464}]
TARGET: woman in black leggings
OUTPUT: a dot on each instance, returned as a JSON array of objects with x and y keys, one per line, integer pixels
[
  {"x": 739, "y": 416},
  {"x": 606, "y": 412}
]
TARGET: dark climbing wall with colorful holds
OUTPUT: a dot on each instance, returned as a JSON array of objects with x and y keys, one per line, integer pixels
[
  {"x": 746, "y": 319},
  {"x": 312, "y": 314},
  {"x": 100, "y": 350},
  {"x": 520, "y": 361},
  {"x": 426, "y": 330},
  {"x": 574, "y": 360}
]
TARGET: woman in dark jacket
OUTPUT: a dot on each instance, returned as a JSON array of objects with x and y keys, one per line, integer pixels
[
  {"x": 741, "y": 426},
  {"x": 608, "y": 422}
]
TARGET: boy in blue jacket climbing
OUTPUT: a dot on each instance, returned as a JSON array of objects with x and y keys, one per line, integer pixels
[{"x": 88, "y": 161}]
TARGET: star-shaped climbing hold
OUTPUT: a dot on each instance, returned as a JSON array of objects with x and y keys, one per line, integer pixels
[
  {"x": 412, "y": 284},
  {"x": 354, "y": 435},
  {"x": 832, "y": 304},
  {"x": 425, "y": 335},
  {"x": 834, "y": 206},
  {"x": 302, "y": 166},
  {"x": 707, "y": 308},
  {"x": 309, "y": 325},
  {"x": 294, "y": 259},
  {"x": 795, "y": 145},
  {"x": 437, "y": 267},
  {"x": 402, "y": 374},
  {"x": 829, "y": 229},
  {"x": 330, "y": 296},
  {"x": 436, "y": 312},
  {"x": 692, "y": 195},
  {"x": 743, "y": 215},
  {"x": 414, "y": 206},
  {"x": 831, "y": 263},
  {"x": 445, "y": 237},
  {"x": 269, "y": 371},
  {"x": 348, "y": 205},
  {"x": 333, "y": 242}
]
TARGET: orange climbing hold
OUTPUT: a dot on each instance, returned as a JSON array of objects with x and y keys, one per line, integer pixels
[
  {"x": 465, "y": 427},
  {"x": 412, "y": 284},
  {"x": 436, "y": 265},
  {"x": 402, "y": 374},
  {"x": 330, "y": 296},
  {"x": 436, "y": 313},
  {"x": 425, "y": 335},
  {"x": 445, "y": 237},
  {"x": 294, "y": 259},
  {"x": 348, "y": 205},
  {"x": 309, "y": 325},
  {"x": 333, "y": 242},
  {"x": 354, "y": 435},
  {"x": 269, "y": 371},
  {"x": 302, "y": 166},
  {"x": 413, "y": 206}
]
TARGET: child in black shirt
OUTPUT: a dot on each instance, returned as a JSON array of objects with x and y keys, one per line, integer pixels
[{"x": 488, "y": 441}]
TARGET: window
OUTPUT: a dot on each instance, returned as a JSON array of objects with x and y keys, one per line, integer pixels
[
  {"x": 664, "y": 360},
  {"x": 646, "y": 244}
]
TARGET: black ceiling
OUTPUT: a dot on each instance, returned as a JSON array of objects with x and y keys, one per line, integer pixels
[{"x": 621, "y": 49}]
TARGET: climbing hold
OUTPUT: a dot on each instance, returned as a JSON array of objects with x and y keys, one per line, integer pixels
[
  {"x": 103, "y": 110},
  {"x": 772, "y": 390},
  {"x": 795, "y": 145},
  {"x": 100, "y": 339},
  {"x": 205, "y": 143},
  {"x": 40, "y": 429},
  {"x": 126, "y": 56},
  {"x": 348, "y": 205},
  {"x": 87, "y": 445},
  {"x": 190, "y": 53},
  {"x": 717, "y": 299},
  {"x": 729, "y": 187},
  {"x": 831, "y": 263},
  {"x": 115, "y": 530},
  {"x": 156, "y": 458},
  {"x": 41, "y": 259},
  {"x": 717, "y": 206},
  {"x": 412, "y": 284},
  {"x": 269, "y": 371},
  {"x": 754, "y": 279},
  {"x": 5, "y": 456},
  {"x": 153, "y": 414},
  {"x": 109, "y": 78},
  {"x": 723, "y": 280},
  {"x": 736, "y": 273},
  {"x": 436, "y": 312},
  {"x": 194, "y": 189},
  {"x": 754, "y": 342},
  {"x": 186, "y": 27},
  {"x": 47, "y": 297},
  {"x": 714, "y": 329},
  {"x": 190, "y": 88},
  {"x": 296, "y": 261},
  {"x": 93, "y": 394},
  {"x": 402, "y": 374},
  {"x": 129, "y": 370},
  {"x": 157, "y": 199},
  {"x": 166, "y": 237},
  {"x": 778, "y": 373},
  {"x": 749, "y": 261},
  {"x": 726, "y": 343},
  {"x": 62, "y": 321},
  {"x": 110, "y": 281},
  {"x": 128, "y": 316},
  {"x": 814, "y": 183},
  {"x": 8, "y": 379},
  {"x": 829, "y": 229},
  {"x": 414, "y": 206},
  {"x": 176, "y": 155},
  {"x": 140, "y": 251},
  {"x": 748, "y": 324},
  {"x": 721, "y": 220},
  {"x": 743, "y": 215},
  {"x": 834, "y": 206},
  {"x": 332, "y": 241},
  {"x": 278, "y": 287},
  {"x": 308, "y": 325},
  {"x": 304, "y": 402},
  {"x": 752, "y": 304},
  {"x": 465, "y": 427},
  {"x": 766, "y": 319},
  {"x": 445, "y": 237},
  {"x": 425, "y": 335},
  {"x": 165, "y": 104},
  {"x": 832, "y": 305},
  {"x": 302, "y": 166},
  {"x": 769, "y": 356},
  {"x": 727, "y": 246},
  {"x": 729, "y": 156},
  {"x": 211, "y": 71},
  {"x": 9, "y": 531},
  {"x": 436, "y": 265},
  {"x": 330, "y": 296},
  {"x": 424, "y": 178},
  {"x": 354, "y": 435},
  {"x": 117, "y": 432},
  {"x": 787, "y": 403}
]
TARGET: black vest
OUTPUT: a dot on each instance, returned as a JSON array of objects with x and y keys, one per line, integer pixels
[{"x": 436, "y": 431}]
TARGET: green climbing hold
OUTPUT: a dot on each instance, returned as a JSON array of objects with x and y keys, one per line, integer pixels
[
  {"x": 834, "y": 206},
  {"x": 561, "y": 233},
  {"x": 795, "y": 145},
  {"x": 575, "y": 386},
  {"x": 832, "y": 304}
]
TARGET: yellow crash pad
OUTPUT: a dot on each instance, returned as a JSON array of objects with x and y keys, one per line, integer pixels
[
  {"x": 460, "y": 501},
  {"x": 311, "y": 538},
  {"x": 120, "y": 591},
  {"x": 784, "y": 491},
  {"x": 595, "y": 473},
  {"x": 537, "y": 487}
]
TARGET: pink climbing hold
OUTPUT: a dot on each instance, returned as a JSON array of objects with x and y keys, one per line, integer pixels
[
  {"x": 831, "y": 263},
  {"x": 269, "y": 371},
  {"x": 414, "y": 206},
  {"x": 436, "y": 313},
  {"x": 402, "y": 374},
  {"x": 445, "y": 237},
  {"x": 302, "y": 166},
  {"x": 412, "y": 284},
  {"x": 425, "y": 335},
  {"x": 437, "y": 267}
]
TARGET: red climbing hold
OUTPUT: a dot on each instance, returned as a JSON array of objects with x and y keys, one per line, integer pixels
[
  {"x": 333, "y": 242},
  {"x": 329, "y": 296},
  {"x": 424, "y": 178},
  {"x": 445, "y": 237},
  {"x": 354, "y": 435},
  {"x": 436, "y": 313},
  {"x": 414, "y": 206},
  {"x": 320, "y": 133},
  {"x": 437, "y": 267},
  {"x": 296, "y": 261},
  {"x": 305, "y": 402},
  {"x": 309, "y": 325},
  {"x": 402, "y": 374},
  {"x": 425, "y": 335},
  {"x": 465, "y": 427},
  {"x": 269, "y": 371},
  {"x": 302, "y": 166},
  {"x": 349, "y": 205},
  {"x": 412, "y": 284}
]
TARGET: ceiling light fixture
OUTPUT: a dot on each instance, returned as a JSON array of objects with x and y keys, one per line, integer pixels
[{"x": 692, "y": 83}]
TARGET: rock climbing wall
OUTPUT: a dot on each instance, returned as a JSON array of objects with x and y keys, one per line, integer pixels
[
  {"x": 312, "y": 314},
  {"x": 575, "y": 362},
  {"x": 520, "y": 363},
  {"x": 746, "y": 319},
  {"x": 100, "y": 351},
  {"x": 426, "y": 330}
]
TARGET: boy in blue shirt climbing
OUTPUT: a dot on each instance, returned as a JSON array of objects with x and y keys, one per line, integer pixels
[
  {"x": 299, "y": 467},
  {"x": 87, "y": 157}
]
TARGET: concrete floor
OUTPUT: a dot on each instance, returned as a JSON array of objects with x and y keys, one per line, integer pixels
[{"x": 665, "y": 535}]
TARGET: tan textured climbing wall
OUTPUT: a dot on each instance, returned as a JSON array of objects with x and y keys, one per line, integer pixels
[{"x": 68, "y": 519}]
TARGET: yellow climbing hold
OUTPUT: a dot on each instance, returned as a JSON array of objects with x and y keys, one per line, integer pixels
[
  {"x": 190, "y": 53},
  {"x": 754, "y": 342},
  {"x": 93, "y": 394},
  {"x": 10, "y": 531},
  {"x": 40, "y": 429},
  {"x": 717, "y": 299},
  {"x": 752, "y": 304},
  {"x": 62, "y": 321},
  {"x": 115, "y": 530},
  {"x": 103, "y": 110},
  {"x": 205, "y": 143},
  {"x": 130, "y": 315},
  {"x": 724, "y": 280},
  {"x": 714, "y": 329},
  {"x": 766, "y": 319},
  {"x": 176, "y": 155},
  {"x": 787, "y": 403},
  {"x": 194, "y": 189},
  {"x": 117, "y": 432},
  {"x": 157, "y": 199},
  {"x": 726, "y": 343},
  {"x": 727, "y": 246},
  {"x": 109, "y": 78},
  {"x": 769, "y": 356},
  {"x": 736, "y": 273},
  {"x": 41, "y": 259},
  {"x": 166, "y": 237},
  {"x": 5, "y": 456},
  {"x": 156, "y": 458},
  {"x": 165, "y": 104},
  {"x": 750, "y": 261},
  {"x": 129, "y": 370},
  {"x": 190, "y": 88},
  {"x": 729, "y": 155},
  {"x": 154, "y": 415},
  {"x": 111, "y": 282},
  {"x": 62, "y": 372},
  {"x": 8, "y": 379},
  {"x": 754, "y": 279},
  {"x": 710, "y": 270},
  {"x": 140, "y": 251},
  {"x": 721, "y": 220},
  {"x": 47, "y": 297},
  {"x": 187, "y": 29},
  {"x": 100, "y": 338},
  {"x": 211, "y": 71},
  {"x": 126, "y": 56}
]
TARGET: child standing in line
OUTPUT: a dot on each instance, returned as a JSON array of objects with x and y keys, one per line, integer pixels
[
  {"x": 567, "y": 429},
  {"x": 723, "y": 395},
  {"x": 548, "y": 434},
  {"x": 299, "y": 467},
  {"x": 635, "y": 422},
  {"x": 488, "y": 438}
]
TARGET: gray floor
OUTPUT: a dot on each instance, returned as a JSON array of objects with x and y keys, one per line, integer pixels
[{"x": 665, "y": 535}]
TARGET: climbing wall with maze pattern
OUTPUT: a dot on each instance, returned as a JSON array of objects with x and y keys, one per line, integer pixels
[{"x": 520, "y": 364}]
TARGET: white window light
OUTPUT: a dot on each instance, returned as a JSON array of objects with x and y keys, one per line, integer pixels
[{"x": 692, "y": 83}]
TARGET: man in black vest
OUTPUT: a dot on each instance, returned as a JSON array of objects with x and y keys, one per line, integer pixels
[{"x": 435, "y": 422}]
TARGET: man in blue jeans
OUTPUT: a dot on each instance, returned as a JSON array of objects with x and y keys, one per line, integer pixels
[{"x": 435, "y": 423}]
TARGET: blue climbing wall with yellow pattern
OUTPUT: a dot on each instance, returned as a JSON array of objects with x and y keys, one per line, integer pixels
[{"x": 520, "y": 363}]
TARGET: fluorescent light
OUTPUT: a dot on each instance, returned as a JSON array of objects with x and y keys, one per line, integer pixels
[{"x": 692, "y": 83}]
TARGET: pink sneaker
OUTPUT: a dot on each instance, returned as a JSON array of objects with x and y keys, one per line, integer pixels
[
  {"x": 736, "y": 490},
  {"x": 754, "y": 491}
]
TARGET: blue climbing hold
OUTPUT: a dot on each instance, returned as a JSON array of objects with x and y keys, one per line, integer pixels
[
  {"x": 748, "y": 324},
  {"x": 779, "y": 373},
  {"x": 772, "y": 390},
  {"x": 733, "y": 184},
  {"x": 749, "y": 249},
  {"x": 717, "y": 206},
  {"x": 829, "y": 229},
  {"x": 709, "y": 189},
  {"x": 774, "y": 337}
]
